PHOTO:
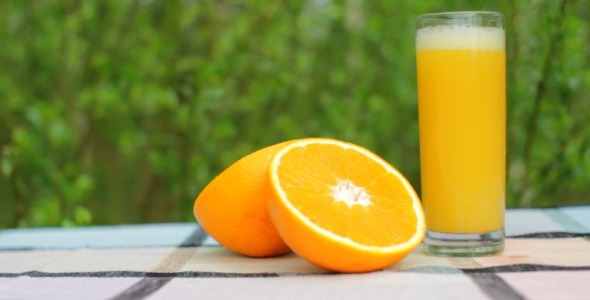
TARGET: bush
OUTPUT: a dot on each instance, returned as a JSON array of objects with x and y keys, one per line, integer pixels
[{"x": 122, "y": 111}]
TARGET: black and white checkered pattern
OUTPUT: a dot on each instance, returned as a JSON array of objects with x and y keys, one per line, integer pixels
[{"x": 547, "y": 256}]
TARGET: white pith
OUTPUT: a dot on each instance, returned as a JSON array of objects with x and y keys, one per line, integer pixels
[{"x": 346, "y": 191}]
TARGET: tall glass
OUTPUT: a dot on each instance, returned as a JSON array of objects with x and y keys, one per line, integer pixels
[{"x": 461, "y": 65}]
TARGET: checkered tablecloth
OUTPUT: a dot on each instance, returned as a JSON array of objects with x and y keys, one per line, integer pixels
[{"x": 547, "y": 256}]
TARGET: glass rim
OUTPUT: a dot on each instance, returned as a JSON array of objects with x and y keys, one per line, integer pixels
[
  {"x": 460, "y": 17},
  {"x": 450, "y": 15}
]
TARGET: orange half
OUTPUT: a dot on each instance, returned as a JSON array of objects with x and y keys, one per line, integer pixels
[{"x": 342, "y": 207}]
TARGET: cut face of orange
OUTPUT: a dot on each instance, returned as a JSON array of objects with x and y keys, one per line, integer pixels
[{"x": 342, "y": 207}]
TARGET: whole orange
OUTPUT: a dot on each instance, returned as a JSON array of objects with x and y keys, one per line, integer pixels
[{"x": 233, "y": 208}]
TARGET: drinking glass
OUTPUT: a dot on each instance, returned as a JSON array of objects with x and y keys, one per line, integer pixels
[{"x": 461, "y": 69}]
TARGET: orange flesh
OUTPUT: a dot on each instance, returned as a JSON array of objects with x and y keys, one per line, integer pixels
[{"x": 308, "y": 175}]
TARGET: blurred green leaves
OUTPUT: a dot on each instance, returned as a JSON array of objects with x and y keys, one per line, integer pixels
[{"x": 122, "y": 111}]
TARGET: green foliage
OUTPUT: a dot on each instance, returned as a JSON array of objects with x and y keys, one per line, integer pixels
[{"x": 122, "y": 111}]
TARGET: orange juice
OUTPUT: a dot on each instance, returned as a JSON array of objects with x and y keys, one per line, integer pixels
[{"x": 462, "y": 113}]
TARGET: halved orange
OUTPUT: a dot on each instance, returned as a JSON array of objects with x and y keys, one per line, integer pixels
[
  {"x": 342, "y": 207},
  {"x": 232, "y": 208}
]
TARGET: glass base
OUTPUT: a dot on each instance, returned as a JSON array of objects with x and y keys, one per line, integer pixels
[{"x": 464, "y": 244}]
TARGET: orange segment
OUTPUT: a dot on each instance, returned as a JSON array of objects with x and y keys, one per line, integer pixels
[{"x": 342, "y": 207}]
